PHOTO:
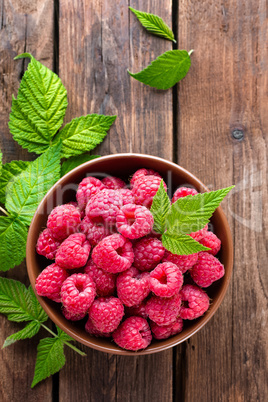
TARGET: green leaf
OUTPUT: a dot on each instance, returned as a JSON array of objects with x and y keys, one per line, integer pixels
[
  {"x": 166, "y": 70},
  {"x": 159, "y": 209},
  {"x": 63, "y": 336},
  {"x": 83, "y": 134},
  {"x": 50, "y": 358},
  {"x": 154, "y": 24},
  {"x": 30, "y": 186},
  {"x": 13, "y": 237},
  {"x": 9, "y": 171},
  {"x": 16, "y": 302},
  {"x": 75, "y": 161},
  {"x": 191, "y": 213},
  {"x": 182, "y": 245},
  {"x": 29, "y": 331},
  {"x": 38, "y": 112},
  {"x": 36, "y": 308}
]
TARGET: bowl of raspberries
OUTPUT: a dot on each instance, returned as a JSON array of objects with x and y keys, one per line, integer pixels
[{"x": 99, "y": 266}]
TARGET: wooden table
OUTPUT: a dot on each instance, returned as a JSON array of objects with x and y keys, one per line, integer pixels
[{"x": 214, "y": 123}]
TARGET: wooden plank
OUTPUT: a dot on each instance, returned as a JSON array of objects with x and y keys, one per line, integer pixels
[
  {"x": 24, "y": 27},
  {"x": 98, "y": 42},
  {"x": 224, "y": 92}
]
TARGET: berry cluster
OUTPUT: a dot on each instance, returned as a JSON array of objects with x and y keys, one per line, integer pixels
[{"x": 111, "y": 268}]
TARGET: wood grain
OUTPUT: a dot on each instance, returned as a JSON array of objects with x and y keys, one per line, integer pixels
[
  {"x": 25, "y": 26},
  {"x": 99, "y": 41},
  {"x": 225, "y": 94}
]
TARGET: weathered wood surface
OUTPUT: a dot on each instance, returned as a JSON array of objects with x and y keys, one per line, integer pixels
[
  {"x": 25, "y": 26},
  {"x": 195, "y": 125}
]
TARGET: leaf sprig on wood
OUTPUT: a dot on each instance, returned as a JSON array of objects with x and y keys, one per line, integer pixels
[
  {"x": 35, "y": 119},
  {"x": 168, "y": 68},
  {"x": 20, "y": 304}
]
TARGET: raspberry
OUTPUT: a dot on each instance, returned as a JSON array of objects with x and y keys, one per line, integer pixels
[
  {"x": 127, "y": 196},
  {"x": 207, "y": 270},
  {"x": 88, "y": 187},
  {"x": 73, "y": 252},
  {"x": 113, "y": 254},
  {"x": 77, "y": 293},
  {"x": 104, "y": 281},
  {"x": 73, "y": 316},
  {"x": 166, "y": 279},
  {"x": 113, "y": 183},
  {"x": 134, "y": 221},
  {"x": 163, "y": 310},
  {"x": 49, "y": 282},
  {"x": 105, "y": 204},
  {"x": 145, "y": 188},
  {"x": 95, "y": 229},
  {"x": 184, "y": 262},
  {"x": 47, "y": 245},
  {"x": 138, "y": 311},
  {"x": 183, "y": 192},
  {"x": 132, "y": 286},
  {"x": 195, "y": 302},
  {"x": 199, "y": 234},
  {"x": 133, "y": 334},
  {"x": 148, "y": 252},
  {"x": 141, "y": 173},
  {"x": 165, "y": 331},
  {"x": 212, "y": 241},
  {"x": 92, "y": 330},
  {"x": 63, "y": 221},
  {"x": 106, "y": 313}
]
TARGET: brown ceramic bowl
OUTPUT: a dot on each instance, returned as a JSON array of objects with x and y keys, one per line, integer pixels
[{"x": 123, "y": 165}]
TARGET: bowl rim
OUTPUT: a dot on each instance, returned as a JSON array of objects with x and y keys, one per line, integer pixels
[{"x": 170, "y": 342}]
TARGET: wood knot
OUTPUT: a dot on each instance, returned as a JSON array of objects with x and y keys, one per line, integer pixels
[{"x": 238, "y": 134}]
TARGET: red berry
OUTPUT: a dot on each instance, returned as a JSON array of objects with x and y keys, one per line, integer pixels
[
  {"x": 212, "y": 241},
  {"x": 63, "y": 221},
  {"x": 132, "y": 286},
  {"x": 183, "y": 262},
  {"x": 127, "y": 196},
  {"x": 106, "y": 313},
  {"x": 73, "y": 316},
  {"x": 141, "y": 173},
  {"x": 195, "y": 302},
  {"x": 207, "y": 270},
  {"x": 199, "y": 234},
  {"x": 49, "y": 282},
  {"x": 113, "y": 254},
  {"x": 183, "y": 192},
  {"x": 73, "y": 252},
  {"x": 148, "y": 252},
  {"x": 166, "y": 280},
  {"x": 138, "y": 311},
  {"x": 95, "y": 229},
  {"x": 163, "y": 310},
  {"x": 77, "y": 293},
  {"x": 134, "y": 221},
  {"x": 105, "y": 204},
  {"x": 145, "y": 188},
  {"x": 165, "y": 331},
  {"x": 133, "y": 334},
  {"x": 113, "y": 183},
  {"x": 105, "y": 281},
  {"x": 92, "y": 330},
  {"x": 47, "y": 245},
  {"x": 88, "y": 187}
]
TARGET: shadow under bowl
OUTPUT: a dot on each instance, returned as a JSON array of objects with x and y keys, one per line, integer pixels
[{"x": 123, "y": 166}]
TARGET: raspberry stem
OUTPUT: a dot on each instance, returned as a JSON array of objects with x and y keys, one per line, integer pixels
[{"x": 80, "y": 352}]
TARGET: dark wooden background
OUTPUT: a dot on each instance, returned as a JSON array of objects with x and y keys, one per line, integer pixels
[{"x": 197, "y": 124}]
